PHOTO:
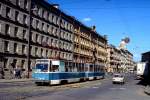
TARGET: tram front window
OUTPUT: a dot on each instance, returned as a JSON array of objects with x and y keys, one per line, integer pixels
[{"x": 42, "y": 67}]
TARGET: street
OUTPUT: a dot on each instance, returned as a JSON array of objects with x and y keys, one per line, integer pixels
[{"x": 91, "y": 90}]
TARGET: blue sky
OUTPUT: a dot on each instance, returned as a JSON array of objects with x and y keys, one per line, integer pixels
[{"x": 116, "y": 19}]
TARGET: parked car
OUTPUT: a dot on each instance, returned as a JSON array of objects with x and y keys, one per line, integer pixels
[{"x": 118, "y": 78}]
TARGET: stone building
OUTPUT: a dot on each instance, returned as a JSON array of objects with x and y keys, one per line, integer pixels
[
  {"x": 54, "y": 34},
  {"x": 89, "y": 46},
  {"x": 119, "y": 60}
]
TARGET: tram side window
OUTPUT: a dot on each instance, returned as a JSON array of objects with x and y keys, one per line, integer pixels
[
  {"x": 70, "y": 68},
  {"x": 42, "y": 67},
  {"x": 55, "y": 68},
  {"x": 74, "y": 67},
  {"x": 98, "y": 69},
  {"x": 91, "y": 68},
  {"x": 78, "y": 67},
  {"x": 82, "y": 67},
  {"x": 66, "y": 66}
]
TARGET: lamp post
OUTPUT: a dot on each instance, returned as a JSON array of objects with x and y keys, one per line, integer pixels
[
  {"x": 29, "y": 37},
  {"x": 29, "y": 41}
]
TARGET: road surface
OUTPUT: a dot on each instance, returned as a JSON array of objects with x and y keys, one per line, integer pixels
[{"x": 91, "y": 90}]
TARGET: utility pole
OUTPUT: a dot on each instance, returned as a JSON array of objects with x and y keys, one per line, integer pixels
[{"x": 29, "y": 40}]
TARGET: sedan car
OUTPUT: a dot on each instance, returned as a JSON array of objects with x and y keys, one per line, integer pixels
[{"x": 118, "y": 78}]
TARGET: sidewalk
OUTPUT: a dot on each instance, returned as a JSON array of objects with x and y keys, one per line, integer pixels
[
  {"x": 147, "y": 90},
  {"x": 15, "y": 80}
]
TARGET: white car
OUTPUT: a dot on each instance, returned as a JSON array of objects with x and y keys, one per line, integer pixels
[{"x": 118, "y": 78}]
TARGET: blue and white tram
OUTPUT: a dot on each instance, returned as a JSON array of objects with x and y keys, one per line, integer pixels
[{"x": 56, "y": 71}]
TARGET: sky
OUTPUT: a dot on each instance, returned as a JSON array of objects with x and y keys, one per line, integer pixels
[{"x": 116, "y": 19}]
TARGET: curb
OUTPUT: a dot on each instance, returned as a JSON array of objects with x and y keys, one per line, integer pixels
[{"x": 13, "y": 80}]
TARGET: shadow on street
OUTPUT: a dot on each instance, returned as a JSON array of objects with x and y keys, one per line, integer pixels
[{"x": 143, "y": 82}]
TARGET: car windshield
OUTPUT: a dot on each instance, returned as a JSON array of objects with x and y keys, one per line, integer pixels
[{"x": 118, "y": 75}]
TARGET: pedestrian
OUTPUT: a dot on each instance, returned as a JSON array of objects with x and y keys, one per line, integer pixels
[
  {"x": 16, "y": 73},
  {"x": 19, "y": 72},
  {"x": 12, "y": 70}
]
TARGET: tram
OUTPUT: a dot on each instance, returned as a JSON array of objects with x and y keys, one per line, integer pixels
[{"x": 53, "y": 71}]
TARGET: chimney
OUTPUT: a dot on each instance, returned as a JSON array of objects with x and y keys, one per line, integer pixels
[
  {"x": 55, "y": 5},
  {"x": 105, "y": 36},
  {"x": 94, "y": 28}
]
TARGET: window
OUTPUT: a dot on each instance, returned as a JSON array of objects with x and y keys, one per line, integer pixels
[
  {"x": 58, "y": 21},
  {"x": 15, "y": 47},
  {"x": 45, "y": 27},
  {"x": 36, "y": 37},
  {"x": 42, "y": 52},
  {"x": 23, "y": 49},
  {"x": 26, "y": 4},
  {"x": 52, "y": 16},
  {"x": 22, "y": 63},
  {"x": 52, "y": 30},
  {"x": 47, "y": 53},
  {"x": 47, "y": 39},
  {"x": 16, "y": 31},
  {"x": 8, "y": 12},
  {"x": 24, "y": 18},
  {"x": 24, "y": 34},
  {"x": 49, "y": 42},
  {"x": 42, "y": 26},
  {"x": 36, "y": 51},
  {"x": 41, "y": 67},
  {"x": 49, "y": 29},
  {"x": 52, "y": 42},
  {"x": 55, "y": 68},
  {"x": 7, "y": 28},
  {"x": 16, "y": 15},
  {"x": 6, "y": 46},
  {"x": 49, "y": 17},
  {"x": 19, "y": 2},
  {"x": 42, "y": 39},
  {"x": 39, "y": 25},
  {"x": 14, "y": 63},
  {"x": 5, "y": 62},
  {"x": 40, "y": 12},
  {"x": 45, "y": 15}
]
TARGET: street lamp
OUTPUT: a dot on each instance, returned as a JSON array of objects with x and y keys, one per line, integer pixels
[{"x": 29, "y": 38}]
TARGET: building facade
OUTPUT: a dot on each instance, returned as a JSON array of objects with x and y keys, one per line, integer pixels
[
  {"x": 119, "y": 60},
  {"x": 53, "y": 34},
  {"x": 89, "y": 46}
]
